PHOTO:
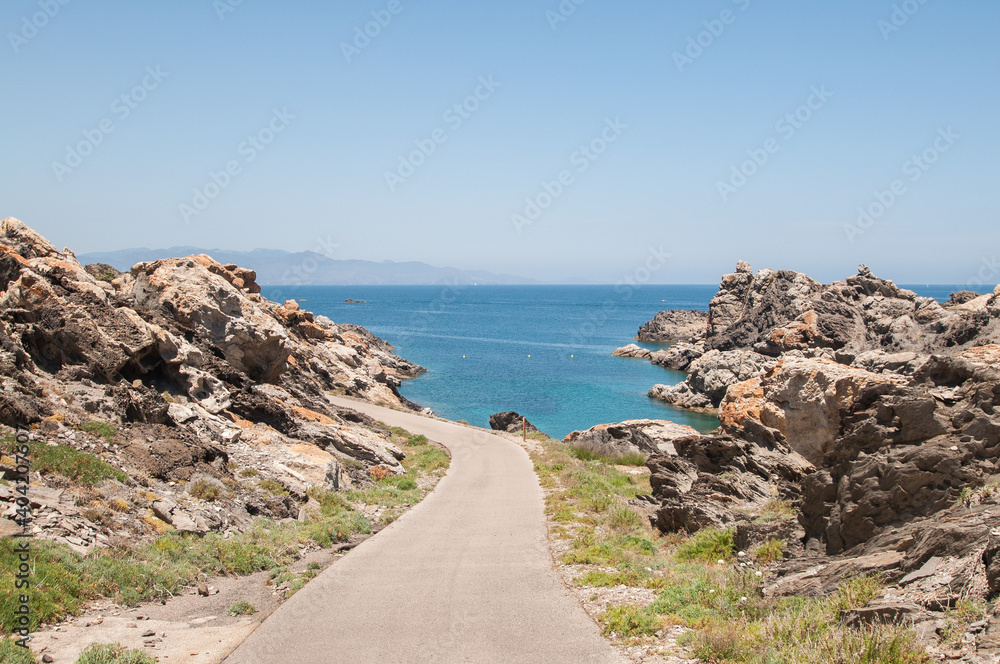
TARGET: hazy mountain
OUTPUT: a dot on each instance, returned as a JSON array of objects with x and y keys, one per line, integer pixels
[{"x": 283, "y": 268}]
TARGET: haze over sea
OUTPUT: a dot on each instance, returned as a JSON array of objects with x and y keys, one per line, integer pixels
[{"x": 544, "y": 351}]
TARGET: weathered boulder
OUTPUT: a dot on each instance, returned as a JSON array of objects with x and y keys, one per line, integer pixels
[
  {"x": 682, "y": 396},
  {"x": 185, "y": 290},
  {"x": 805, "y": 399},
  {"x": 615, "y": 440},
  {"x": 678, "y": 357},
  {"x": 675, "y": 325},
  {"x": 710, "y": 376},
  {"x": 714, "y": 481},
  {"x": 511, "y": 422},
  {"x": 633, "y": 350}
]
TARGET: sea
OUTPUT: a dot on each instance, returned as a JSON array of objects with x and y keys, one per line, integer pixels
[{"x": 543, "y": 351}]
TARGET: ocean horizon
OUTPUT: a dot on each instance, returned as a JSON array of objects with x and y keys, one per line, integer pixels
[{"x": 541, "y": 350}]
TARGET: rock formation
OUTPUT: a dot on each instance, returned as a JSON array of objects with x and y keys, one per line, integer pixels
[
  {"x": 861, "y": 427},
  {"x": 188, "y": 374},
  {"x": 675, "y": 325},
  {"x": 631, "y": 437},
  {"x": 864, "y": 322},
  {"x": 511, "y": 422},
  {"x": 633, "y": 350}
]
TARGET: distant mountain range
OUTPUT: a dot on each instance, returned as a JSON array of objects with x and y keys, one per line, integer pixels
[{"x": 283, "y": 268}]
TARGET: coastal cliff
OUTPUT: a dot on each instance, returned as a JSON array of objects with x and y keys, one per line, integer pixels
[
  {"x": 860, "y": 428},
  {"x": 178, "y": 378}
]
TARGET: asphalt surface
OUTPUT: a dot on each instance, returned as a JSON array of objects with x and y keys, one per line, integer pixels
[{"x": 465, "y": 576}]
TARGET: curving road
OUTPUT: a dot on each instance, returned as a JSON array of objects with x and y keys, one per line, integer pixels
[{"x": 465, "y": 576}]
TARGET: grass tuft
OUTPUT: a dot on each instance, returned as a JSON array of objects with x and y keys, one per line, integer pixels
[
  {"x": 708, "y": 546},
  {"x": 241, "y": 608},
  {"x": 113, "y": 653}
]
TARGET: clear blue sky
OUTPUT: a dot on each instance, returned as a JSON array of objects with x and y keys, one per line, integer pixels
[{"x": 323, "y": 177}]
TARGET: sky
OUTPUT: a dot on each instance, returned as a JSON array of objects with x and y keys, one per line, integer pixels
[{"x": 589, "y": 140}]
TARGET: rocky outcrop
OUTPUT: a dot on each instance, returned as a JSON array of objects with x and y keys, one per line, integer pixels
[
  {"x": 188, "y": 375},
  {"x": 719, "y": 480},
  {"x": 629, "y": 438},
  {"x": 804, "y": 399},
  {"x": 633, "y": 350},
  {"x": 710, "y": 376},
  {"x": 675, "y": 325},
  {"x": 864, "y": 322},
  {"x": 511, "y": 422},
  {"x": 678, "y": 357}
]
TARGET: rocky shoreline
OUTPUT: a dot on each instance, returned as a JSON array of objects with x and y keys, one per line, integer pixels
[
  {"x": 200, "y": 405},
  {"x": 870, "y": 416}
]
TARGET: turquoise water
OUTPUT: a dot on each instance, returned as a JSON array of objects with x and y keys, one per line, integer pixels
[{"x": 544, "y": 351}]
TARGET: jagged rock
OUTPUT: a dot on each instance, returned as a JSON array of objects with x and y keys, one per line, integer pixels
[
  {"x": 511, "y": 422},
  {"x": 215, "y": 310},
  {"x": 613, "y": 440},
  {"x": 633, "y": 350},
  {"x": 710, "y": 376},
  {"x": 188, "y": 368},
  {"x": 682, "y": 396},
  {"x": 713, "y": 481},
  {"x": 675, "y": 325},
  {"x": 678, "y": 357},
  {"x": 804, "y": 399},
  {"x": 631, "y": 437}
]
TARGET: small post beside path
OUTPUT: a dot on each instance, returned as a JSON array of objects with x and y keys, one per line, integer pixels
[{"x": 524, "y": 429}]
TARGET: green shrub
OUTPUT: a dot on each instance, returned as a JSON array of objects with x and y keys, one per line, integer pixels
[
  {"x": 249, "y": 472},
  {"x": 627, "y": 620},
  {"x": 102, "y": 429},
  {"x": 856, "y": 592},
  {"x": 707, "y": 546},
  {"x": 623, "y": 519},
  {"x": 589, "y": 453},
  {"x": 205, "y": 490},
  {"x": 62, "y": 460},
  {"x": 113, "y": 653},
  {"x": 273, "y": 487},
  {"x": 770, "y": 551},
  {"x": 427, "y": 459},
  {"x": 241, "y": 608}
]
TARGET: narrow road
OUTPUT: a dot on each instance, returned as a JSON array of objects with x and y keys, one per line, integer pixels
[{"x": 465, "y": 576}]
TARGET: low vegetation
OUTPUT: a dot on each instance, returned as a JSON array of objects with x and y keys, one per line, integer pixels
[
  {"x": 241, "y": 608},
  {"x": 11, "y": 653},
  {"x": 702, "y": 585},
  {"x": 64, "y": 581},
  {"x": 78, "y": 466},
  {"x": 113, "y": 653}
]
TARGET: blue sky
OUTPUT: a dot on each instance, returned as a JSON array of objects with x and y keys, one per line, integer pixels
[{"x": 310, "y": 130}]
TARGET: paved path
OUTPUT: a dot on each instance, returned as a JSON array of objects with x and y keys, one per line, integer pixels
[{"x": 465, "y": 576}]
